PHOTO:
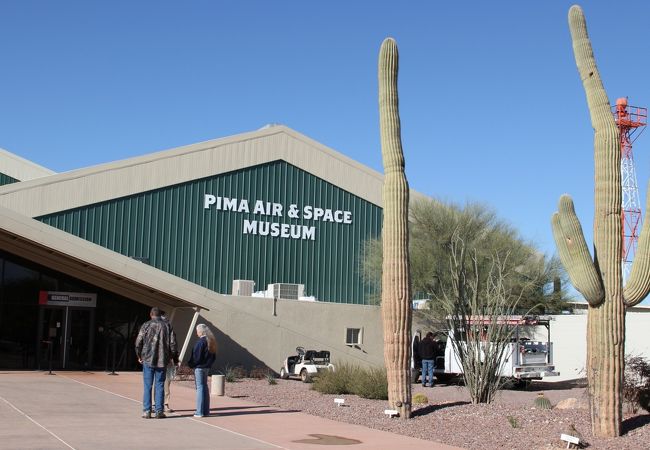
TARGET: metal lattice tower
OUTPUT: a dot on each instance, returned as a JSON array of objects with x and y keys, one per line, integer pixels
[{"x": 631, "y": 121}]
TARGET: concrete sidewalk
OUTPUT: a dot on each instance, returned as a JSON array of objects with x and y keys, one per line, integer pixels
[{"x": 84, "y": 410}]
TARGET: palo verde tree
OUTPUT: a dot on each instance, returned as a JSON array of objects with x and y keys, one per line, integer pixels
[
  {"x": 600, "y": 281},
  {"x": 436, "y": 225},
  {"x": 433, "y": 224},
  {"x": 396, "y": 281}
]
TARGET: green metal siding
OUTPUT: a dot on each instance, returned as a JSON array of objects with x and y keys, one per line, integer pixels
[
  {"x": 6, "y": 179},
  {"x": 172, "y": 229}
]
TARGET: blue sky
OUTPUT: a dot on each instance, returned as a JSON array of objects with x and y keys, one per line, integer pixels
[{"x": 491, "y": 104}]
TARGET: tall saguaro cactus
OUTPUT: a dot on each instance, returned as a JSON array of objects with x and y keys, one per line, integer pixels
[
  {"x": 600, "y": 281},
  {"x": 396, "y": 280}
]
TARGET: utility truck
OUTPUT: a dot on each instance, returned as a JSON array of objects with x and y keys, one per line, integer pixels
[{"x": 528, "y": 356}]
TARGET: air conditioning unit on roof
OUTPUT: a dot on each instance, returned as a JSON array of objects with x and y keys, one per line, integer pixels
[
  {"x": 243, "y": 288},
  {"x": 287, "y": 291}
]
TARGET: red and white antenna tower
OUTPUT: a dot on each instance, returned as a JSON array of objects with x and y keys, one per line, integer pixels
[{"x": 629, "y": 120}]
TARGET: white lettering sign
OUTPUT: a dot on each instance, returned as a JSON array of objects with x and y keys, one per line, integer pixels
[
  {"x": 272, "y": 209},
  {"x": 67, "y": 298},
  {"x": 283, "y": 230}
]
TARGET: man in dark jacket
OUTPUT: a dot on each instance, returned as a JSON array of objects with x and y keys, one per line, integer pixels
[
  {"x": 155, "y": 346},
  {"x": 426, "y": 351}
]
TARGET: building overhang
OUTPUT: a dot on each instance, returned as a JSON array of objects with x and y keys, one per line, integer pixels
[{"x": 78, "y": 258}]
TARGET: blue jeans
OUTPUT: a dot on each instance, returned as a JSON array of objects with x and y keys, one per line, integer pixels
[
  {"x": 427, "y": 370},
  {"x": 151, "y": 375},
  {"x": 202, "y": 392}
]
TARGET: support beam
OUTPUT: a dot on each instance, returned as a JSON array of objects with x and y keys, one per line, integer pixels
[{"x": 186, "y": 343}]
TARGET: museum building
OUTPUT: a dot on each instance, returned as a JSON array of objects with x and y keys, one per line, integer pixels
[{"x": 260, "y": 235}]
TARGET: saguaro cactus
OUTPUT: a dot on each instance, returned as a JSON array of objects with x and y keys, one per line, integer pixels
[
  {"x": 600, "y": 281},
  {"x": 396, "y": 280}
]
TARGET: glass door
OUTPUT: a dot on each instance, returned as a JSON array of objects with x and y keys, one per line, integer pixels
[
  {"x": 79, "y": 339},
  {"x": 51, "y": 336},
  {"x": 65, "y": 338}
]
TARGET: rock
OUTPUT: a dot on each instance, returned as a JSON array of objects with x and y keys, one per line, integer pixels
[{"x": 571, "y": 403}]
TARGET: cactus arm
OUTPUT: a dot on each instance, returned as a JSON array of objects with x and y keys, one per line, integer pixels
[
  {"x": 638, "y": 283},
  {"x": 574, "y": 253},
  {"x": 597, "y": 101},
  {"x": 607, "y": 154}
]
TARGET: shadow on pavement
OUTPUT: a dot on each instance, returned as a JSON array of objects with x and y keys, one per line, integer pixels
[{"x": 222, "y": 413}]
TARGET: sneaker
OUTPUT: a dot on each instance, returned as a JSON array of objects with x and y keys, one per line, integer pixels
[
  {"x": 168, "y": 409},
  {"x": 146, "y": 415},
  {"x": 198, "y": 415},
  {"x": 160, "y": 415}
]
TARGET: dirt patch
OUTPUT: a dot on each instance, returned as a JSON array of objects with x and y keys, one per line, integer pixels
[{"x": 511, "y": 422}]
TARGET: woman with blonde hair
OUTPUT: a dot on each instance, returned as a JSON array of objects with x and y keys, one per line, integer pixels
[{"x": 203, "y": 356}]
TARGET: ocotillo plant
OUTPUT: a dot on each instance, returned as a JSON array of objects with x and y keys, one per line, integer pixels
[
  {"x": 396, "y": 280},
  {"x": 600, "y": 281}
]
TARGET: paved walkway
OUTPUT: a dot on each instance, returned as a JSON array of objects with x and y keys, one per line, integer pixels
[{"x": 83, "y": 410}]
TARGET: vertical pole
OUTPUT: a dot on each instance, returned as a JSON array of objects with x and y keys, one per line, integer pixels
[
  {"x": 114, "y": 345},
  {"x": 186, "y": 343},
  {"x": 39, "y": 342},
  {"x": 49, "y": 345},
  {"x": 65, "y": 336}
]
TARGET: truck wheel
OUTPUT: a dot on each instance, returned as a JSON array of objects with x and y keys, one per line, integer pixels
[
  {"x": 283, "y": 374},
  {"x": 304, "y": 376}
]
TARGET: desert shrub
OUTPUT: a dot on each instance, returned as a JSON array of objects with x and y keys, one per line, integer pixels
[
  {"x": 371, "y": 383},
  {"x": 636, "y": 383},
  {"x": 420, "y": 399},
  {"x": 512, "y": 420},
  {"x": 260, "y": 373},
  {"x": 349, "y": 379},
  {"x": 184, "y": 373},
  {"x": 240, "y": 372},
  {"x": 270, "y": 378},
  {"x": 336, "y": 381},
  {"x": 233, "y": 373}
]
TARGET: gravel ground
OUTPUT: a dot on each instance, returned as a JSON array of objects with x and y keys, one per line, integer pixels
[{"x": 511, "y": 422}]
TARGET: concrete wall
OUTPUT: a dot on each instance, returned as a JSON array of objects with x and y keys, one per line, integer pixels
[
  {"x": 250, "y": 335},
  {"x": 569, "y": 336}
]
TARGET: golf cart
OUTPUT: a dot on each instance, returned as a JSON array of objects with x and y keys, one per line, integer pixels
[{"x": 306, "y": 364}]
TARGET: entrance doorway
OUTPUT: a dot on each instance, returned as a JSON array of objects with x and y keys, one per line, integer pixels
[{"x": 65, "y": 337}]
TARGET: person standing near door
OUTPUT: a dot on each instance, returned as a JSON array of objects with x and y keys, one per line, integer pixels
[
  {"x": 155, "y": 347},
  {"x": 426, "y": 350}
]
